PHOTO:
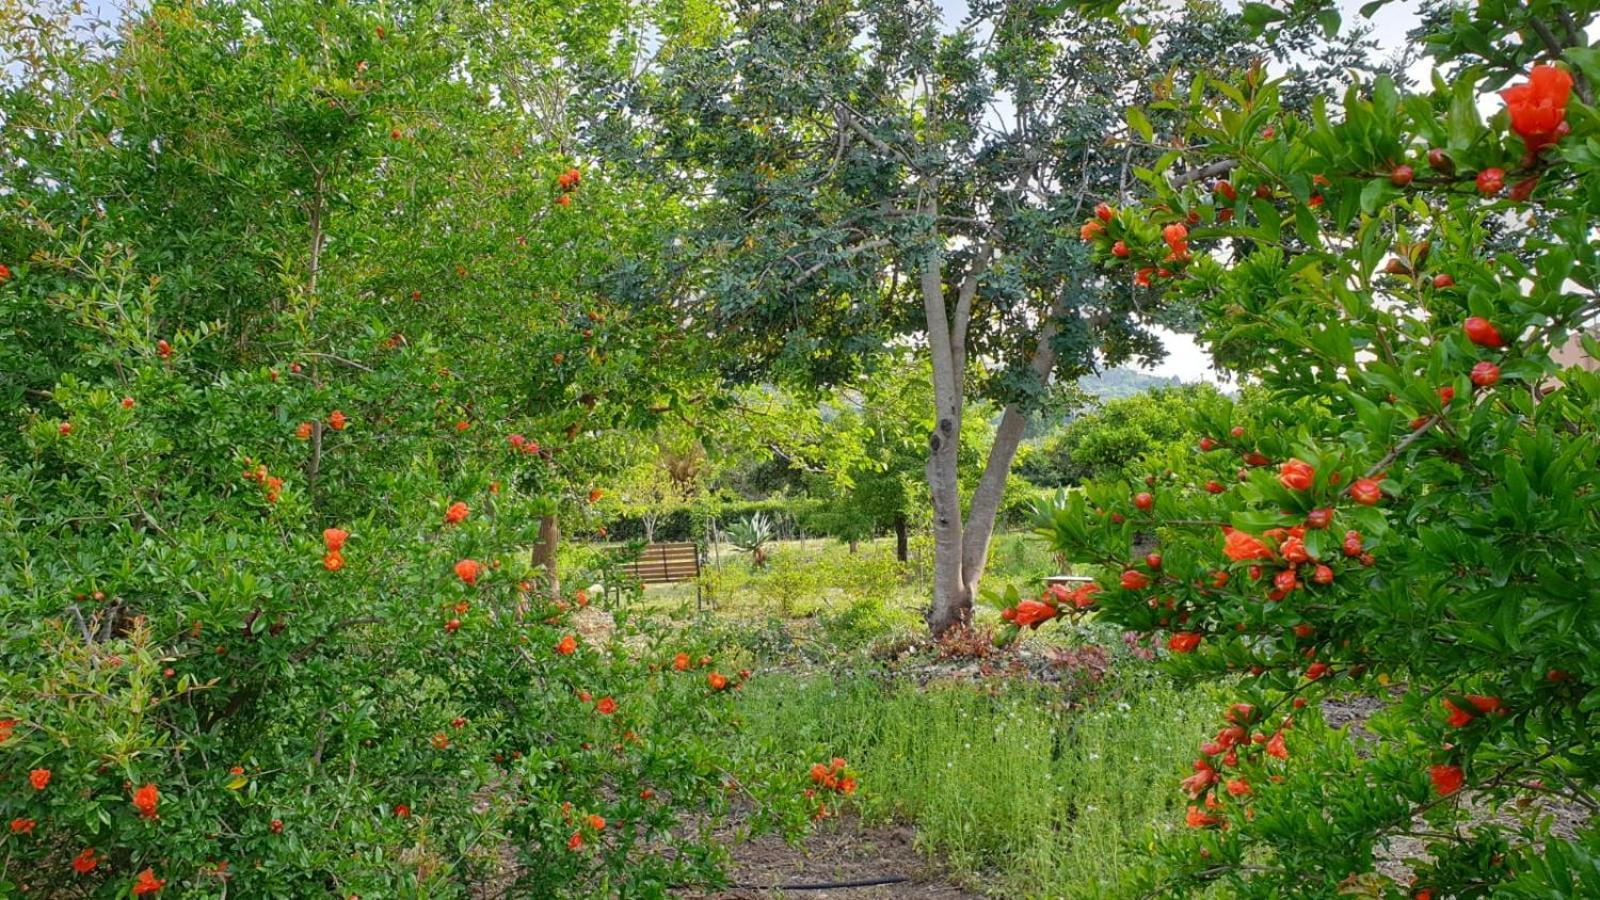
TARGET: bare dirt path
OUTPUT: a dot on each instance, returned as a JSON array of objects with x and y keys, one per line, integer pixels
[{"x": 837, "y": 852}]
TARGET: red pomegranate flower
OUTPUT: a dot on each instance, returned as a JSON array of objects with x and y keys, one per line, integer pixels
[
  {"x": 598, "y": 823},
  {"x": 85, "y": 862},
  {"x": 1446, "y": 779},
  {"x": 1091, "y": 230},
  {"x": 1135, "y": 580},
  {"x": 456, "y": 514},
  {"x": 148, "y": 883},
  {"x": 681, "y": 662},
  {"x": 717, "y": 680},
  {"x": 1183, "y": 641},
  {"x": 1204, "y": 777},
  {"x": 22, "y": 826},
  {"x": 1084, "y": 596},
  {"x": 334, "y": 538},
  {"x": 1199, "y": 818},
  {"x": 1460, "y": 718},
  {"x": 333, "y": 561},
  {"x": 467, "y": 570},
  {"x": 1538, "y": 106},
  {"x": 1366, "y": 492},
  {"x": 576, "y": 841},
  {"x": 1240, "y": 546},
  {"x": 402, "y": 811},
  {"x": 1103, "y": 212},
  {"x": 606, "y": 706},
  {"x": 1033, "y": 613},
  {"x": 568, "y": 646},
  {"x": 145, "y": 800},
  {"x": 303, "y": 431},
  {"x": 1294, "y": 551},
  {"x": 1297, "y": 475},
  {"x": 39, "y": 778},
  {"x": 1276, "y": 747},
  {"x": 336, "y": 420}
]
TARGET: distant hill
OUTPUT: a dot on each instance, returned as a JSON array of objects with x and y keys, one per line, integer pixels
[{"x": 1115, "y": 384}]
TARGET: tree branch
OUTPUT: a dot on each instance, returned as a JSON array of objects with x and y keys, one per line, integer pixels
[{"x": 1209, "y": 170}]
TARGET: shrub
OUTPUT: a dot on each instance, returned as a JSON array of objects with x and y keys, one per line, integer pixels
[
  {"x": 1410, "y": 502},
  {"x": 323, "y": 687}
]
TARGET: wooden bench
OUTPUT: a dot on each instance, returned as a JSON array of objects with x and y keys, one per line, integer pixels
[
  {"x": 666, "y": 564},
  {"x": 1070, "y": 581}
]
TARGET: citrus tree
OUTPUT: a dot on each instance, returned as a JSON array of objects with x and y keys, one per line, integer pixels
[
  {"x": 1407, "y": 510},
  {"x": 298, "y": 362}
]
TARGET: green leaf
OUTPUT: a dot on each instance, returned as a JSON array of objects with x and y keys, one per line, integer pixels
[
  {"x": 1329, "y": 20},
  {"x": 1140, "y": 124},
  {"x": 1257, "y": 16}
]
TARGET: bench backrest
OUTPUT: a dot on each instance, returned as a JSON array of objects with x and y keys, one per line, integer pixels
[{"x": 665, "y": 564}]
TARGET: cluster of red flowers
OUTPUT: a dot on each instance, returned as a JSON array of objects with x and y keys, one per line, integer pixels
[
  {"x": 1244, "y": 739},
  {"x": 456, "y": 513},
  {"x": 333, "y": 540},
  {"x": 145, "y": 800},
  {"x": 271, "y": 485},
  {"x": 593, "y": 823},
  {"x": 523, "y": 445},
  {"x": 1057, "y": 600},
  {"x": 830, "y": 777},
  {"x": 568, "y": 182}
]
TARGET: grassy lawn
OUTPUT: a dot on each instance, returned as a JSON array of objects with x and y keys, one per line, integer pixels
[
  {"x": 1014, "y": 787},
  {"x": 1021, "y": 787}
]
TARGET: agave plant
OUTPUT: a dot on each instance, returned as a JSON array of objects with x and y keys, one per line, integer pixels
[{"x": 751, "y": 535}]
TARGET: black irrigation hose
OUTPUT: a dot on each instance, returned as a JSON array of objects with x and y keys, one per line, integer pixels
[{"x": 823, "y": 885}]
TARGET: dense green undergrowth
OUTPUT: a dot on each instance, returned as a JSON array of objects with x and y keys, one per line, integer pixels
[{"x": 1018, "y": 789}]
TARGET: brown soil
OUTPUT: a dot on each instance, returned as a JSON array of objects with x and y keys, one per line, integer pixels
[{"x": 844, "y": 850}]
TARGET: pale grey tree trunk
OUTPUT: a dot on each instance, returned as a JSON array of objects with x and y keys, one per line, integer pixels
[
  {"x": 952, "y": 603},
  {"x": 986, "y": 497}
]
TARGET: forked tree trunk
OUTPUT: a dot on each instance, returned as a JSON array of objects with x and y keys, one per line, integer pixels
[{"x": 961, "y": 548}]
